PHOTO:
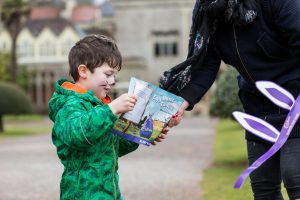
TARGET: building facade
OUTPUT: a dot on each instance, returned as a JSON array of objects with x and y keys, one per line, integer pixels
[
  {"x": 152, "y": 36},
  {"x": 154, "y": 31},
  {"x": 42, "y": 48}
]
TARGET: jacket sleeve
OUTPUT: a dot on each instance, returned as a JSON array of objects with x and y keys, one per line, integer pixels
[
  {"x": 126, "y": 147},
  {"x": 80, "y": 128},
  {"x": 202, "y": 78},
  {"x": 287, "y": 20}
]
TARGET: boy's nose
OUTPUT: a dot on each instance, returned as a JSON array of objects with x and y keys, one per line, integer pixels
[{"x": 111, "y": 81}]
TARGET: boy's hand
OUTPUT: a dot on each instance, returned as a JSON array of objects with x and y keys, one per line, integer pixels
[
  {"x": 176, "y": 119},
  {"x": 122, "y": 104},
  {"x": 162, "y": 136}
]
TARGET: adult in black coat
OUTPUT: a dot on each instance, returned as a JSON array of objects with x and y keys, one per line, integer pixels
[{"x": 261, "y": 39}]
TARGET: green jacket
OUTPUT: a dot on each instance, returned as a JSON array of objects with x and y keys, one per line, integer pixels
[{"x": 85, "y": 145}]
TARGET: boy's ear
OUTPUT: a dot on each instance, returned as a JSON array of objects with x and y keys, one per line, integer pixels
[{"x": 82, "y": 71}]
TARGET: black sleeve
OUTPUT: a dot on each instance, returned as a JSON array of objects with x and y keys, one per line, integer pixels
[
  {"x": 202, "y": 78},
  {"x": 287, "y": 19}
]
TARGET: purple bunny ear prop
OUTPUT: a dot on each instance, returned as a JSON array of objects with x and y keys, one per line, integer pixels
[
  {"x": 276, "y": 94},
  {"x": 282, "y": 98},
  {"x": 257, "y": 126}
]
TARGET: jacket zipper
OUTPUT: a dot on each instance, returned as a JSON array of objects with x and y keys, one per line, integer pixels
[
  {"x": 243, "y": 65},
  {"x": 114, "y": 168},
  {"x": 237, "y": 50}
]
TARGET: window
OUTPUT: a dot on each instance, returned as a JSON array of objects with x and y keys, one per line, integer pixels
[
  {"x": 175, "y": 48},
  {"x": 165, "y": 44},
  {"x": 3, "y": 46},
  {"x": 47, "y": 49},
  {"x": 25, "y": 49},
  {"x": 166, "y": 49},
  {"x": 66, "y": 46}
]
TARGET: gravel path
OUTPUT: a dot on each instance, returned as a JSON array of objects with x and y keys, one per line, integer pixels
[
  {"x": 171, "y": 170},
  {"x": 30, "y": 169}
]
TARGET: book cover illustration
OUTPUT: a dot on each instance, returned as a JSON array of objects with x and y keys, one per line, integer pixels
[{"x": 153, "y": 110}]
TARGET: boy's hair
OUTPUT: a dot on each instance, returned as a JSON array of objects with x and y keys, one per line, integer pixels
[{"x": 93, "y": 51}]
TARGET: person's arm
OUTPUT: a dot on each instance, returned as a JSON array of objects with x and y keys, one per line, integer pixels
[
  {"x": 287, "y": 19},
  {"x": 80, "y": 128},
  {"x": 126, "y": 146},
  {"x": 202, "y": 78}
]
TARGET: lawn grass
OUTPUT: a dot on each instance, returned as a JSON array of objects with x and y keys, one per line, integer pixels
[
  {"x": 23, "y": 125},
  {"x": 230, "y": 159},
  {"x": 17, "y": 132},
  {"x": 14, "y": 118}
]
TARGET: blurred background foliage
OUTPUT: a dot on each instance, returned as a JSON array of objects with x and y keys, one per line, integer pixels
[
  {"x": 14, "y": 101},
  {"x": 225, "y": 99}
]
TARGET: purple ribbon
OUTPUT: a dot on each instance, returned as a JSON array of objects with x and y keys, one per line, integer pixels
[{"x": 286, "y": 129}]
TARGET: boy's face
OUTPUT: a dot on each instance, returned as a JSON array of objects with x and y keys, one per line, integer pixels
[{"x": 101, "y": 81}]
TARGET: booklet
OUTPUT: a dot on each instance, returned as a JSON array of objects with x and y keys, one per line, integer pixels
[{"x": 152, "y": 111}]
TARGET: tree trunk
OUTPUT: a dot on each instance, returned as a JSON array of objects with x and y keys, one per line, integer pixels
[
  {"x": 14, "y": 30},
  {"x": 1, "y": 124},
  {"x": 13, "y": 62},
  {"x": 14, "y": 53}
]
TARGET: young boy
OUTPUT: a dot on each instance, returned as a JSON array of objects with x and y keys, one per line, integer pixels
[{"x": 84, "y": 116}]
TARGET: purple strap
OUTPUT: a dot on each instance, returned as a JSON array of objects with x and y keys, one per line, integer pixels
[{"x": 286, "y": 129}]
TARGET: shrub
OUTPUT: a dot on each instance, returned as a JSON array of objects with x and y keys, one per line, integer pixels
[
  {"x": 225, "y": 99},
  {"x": 13, "y": 101}
]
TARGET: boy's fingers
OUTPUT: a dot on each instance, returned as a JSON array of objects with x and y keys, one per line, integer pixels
[
  {"x": 131, "y": 100},
  {"x": 133, "y": 97},
  {"x": 130, "y": 105}
]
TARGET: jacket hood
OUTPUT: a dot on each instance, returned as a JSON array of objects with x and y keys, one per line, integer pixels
[{"x": 61, "y": 96}]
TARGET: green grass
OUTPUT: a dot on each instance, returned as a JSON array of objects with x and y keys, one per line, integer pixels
[
  {"x": 23, "y": 125},
  {"x": 10, "y": 132},
  {"x": 9, "y": 118},
  {"x": 230, "y": 159}
]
